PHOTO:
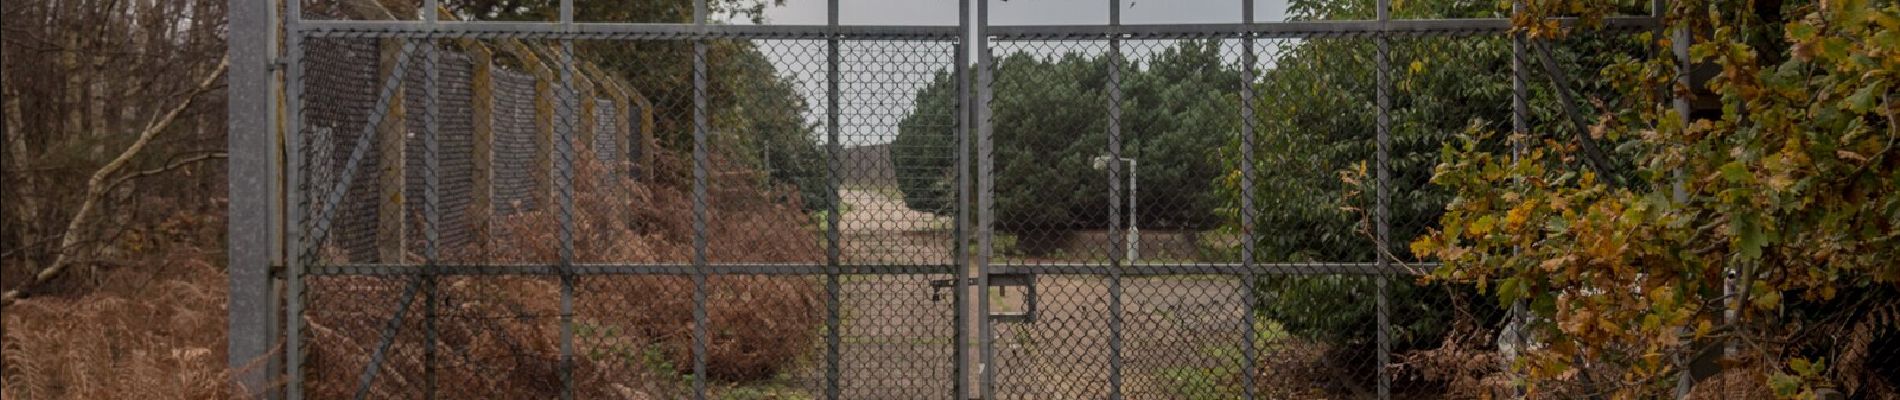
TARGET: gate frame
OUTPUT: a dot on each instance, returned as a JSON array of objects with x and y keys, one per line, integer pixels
[{"x": 264, "y": 244}]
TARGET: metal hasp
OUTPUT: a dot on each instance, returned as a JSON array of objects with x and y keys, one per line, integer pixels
[{"x": 1025, "y": 283}]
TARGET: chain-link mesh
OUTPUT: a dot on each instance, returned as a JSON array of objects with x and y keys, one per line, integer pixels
[
  {"x": 574, "y": 279},
  {"x": 1197, "y": 216},
  {"x": 515, "y": 148},
  {"x": 1314, "y": 313}
]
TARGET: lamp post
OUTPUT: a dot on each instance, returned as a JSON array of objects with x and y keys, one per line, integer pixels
[{"x": 1134, "y": 232}]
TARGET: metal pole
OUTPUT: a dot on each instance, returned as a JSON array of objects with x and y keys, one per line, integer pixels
[
  {"x": 256, "y": 204},
  {"x": 432, "y": 198},
  {"x": 700, "y": 115},
  {"x": 566, "y": 198},
  {"x": 832, "y": 258},
  {"x": 986, "y": 196},
  {"x": 1134, "y": 231},
  {"x": 1520, "y": 124},
  {"x": 965, "y": 121},
  {"x": 1383, "y": 64},
  {"x": 1114, "y": 173},
  {"x": 295, "y": 240},
  {"x": 565, "y": 195},
  {"x": 1247, "y": 61},
  {"x": 1680, "y": 42}
]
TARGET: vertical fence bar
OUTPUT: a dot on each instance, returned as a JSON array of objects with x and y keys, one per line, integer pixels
[
  {"x": 256, "y": 193},
  {"x": 1115, "y": 259},
  {"x": 1679, "y": 48},
  {"x": 1520, "y": 126},
  {"x": 565, "y": 119},
  {"x": 833, "y": 181},
  {"x": 568, "y": 115},
  {"x": 1247, "y": 65},
  {"x": 432, "y": 198},
  {"x": 294, "y": 251},
  {"x": 1382, "y": 62},
  {"x": 986, "y": 198},
  {"x": 699, "y": 206},
  {"x": 961, "y": 371}
]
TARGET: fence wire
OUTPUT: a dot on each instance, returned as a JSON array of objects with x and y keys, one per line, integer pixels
[{"x": 1186, "y": 216}]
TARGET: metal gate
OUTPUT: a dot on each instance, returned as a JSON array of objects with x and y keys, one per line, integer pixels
[{"x": 584, "y": 208}]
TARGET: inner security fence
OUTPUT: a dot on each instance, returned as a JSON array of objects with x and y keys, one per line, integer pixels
[{"x": 574, "y": 208}]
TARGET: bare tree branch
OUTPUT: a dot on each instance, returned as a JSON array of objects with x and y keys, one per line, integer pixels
[
  {"x": 174, "y": 165},
  {"x": 102, "y": 182}
]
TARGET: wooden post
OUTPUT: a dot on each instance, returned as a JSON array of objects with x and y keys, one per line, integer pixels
[
  {"x": 391, "y": 132},
  {"x": 482, "y": 103},
  {"x": 644, "y": 138}
]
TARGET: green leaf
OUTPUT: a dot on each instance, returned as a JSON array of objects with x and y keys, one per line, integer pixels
[
  {"x": 1751, "y": 239},
  {"x": 1802, "y": 366},
  {"x": 1736, "y": 172},
  {"x": 1800, "y": 31},
  {"x": 1509, "y": 290},
  {"x": 1863, "y": 99}
]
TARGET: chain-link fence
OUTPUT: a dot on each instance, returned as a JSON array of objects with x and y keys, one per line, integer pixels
[{"x": 651, "y": 211}]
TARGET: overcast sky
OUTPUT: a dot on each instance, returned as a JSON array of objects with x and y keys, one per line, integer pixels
[{"x": 882, "y": 90}]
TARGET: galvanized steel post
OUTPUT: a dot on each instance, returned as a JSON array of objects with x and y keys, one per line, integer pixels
[
  {"x": 1115, "y": 261},
  {"x": 432, "y": 196},
  {"x": 965, "y": 124},
  {"x": 567, "y": 132},
  {"x": 1247, "y": 66},
  {"x": 255, "y": 225},
  {"x": 986, "y": 198},
  {"x": 700, "y": 115},
  {"x": 294, "y": 252},
  {"x": 1382, "y": 62},
  {"x": 832, "y": 217}
]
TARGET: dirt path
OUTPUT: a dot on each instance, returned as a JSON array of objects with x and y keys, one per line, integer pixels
[
  {"x": 899, "y": 334},
  {"x": 1180, "y": 335},
  {"x": 877, "y": 228}
]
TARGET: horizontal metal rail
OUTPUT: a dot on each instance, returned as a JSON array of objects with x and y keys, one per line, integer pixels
[
  {"x": 1164, "y": 269},
  {"x": 1062, "y": 268},
  {"x": 682, "y": 269},
  {"x": 1289, "y": 29},
  {"x": 612, "y": 30}
]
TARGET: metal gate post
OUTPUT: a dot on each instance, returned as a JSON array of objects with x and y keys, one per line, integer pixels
[
  {"x": 1382, "y": 62},
  {"x": 965, "y": 123},
  {"x": 568, "y": 114},
  {"x": 432, "y": 195},
  {"x": 1247, "y": 65},
  {"x": 700, "y": 115},
  {"x": 1520, "y": 125},
  {"x": 833, "y": 181},
  {"x": 294, "y": 251},
  {"x": 986, "y": 198},
  {"x": 255, "y": 224},
  {"x": 1115, "y": 261}
]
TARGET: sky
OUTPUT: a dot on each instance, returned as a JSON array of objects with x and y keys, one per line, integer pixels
[{"x": 891, "y": 86}]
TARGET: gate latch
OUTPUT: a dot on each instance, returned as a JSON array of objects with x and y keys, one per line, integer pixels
[{"x": 1003, "y": 308}]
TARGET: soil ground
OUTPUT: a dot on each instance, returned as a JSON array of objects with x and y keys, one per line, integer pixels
[{"x": 1181, "y": 335}]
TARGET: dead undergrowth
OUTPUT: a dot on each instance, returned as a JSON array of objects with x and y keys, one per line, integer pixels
[{"x": 156, "y": 328}]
